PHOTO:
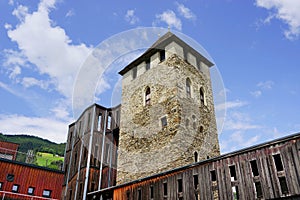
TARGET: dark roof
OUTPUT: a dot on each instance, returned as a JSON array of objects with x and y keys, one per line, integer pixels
[
  {"x": 245, "y": 150},
  {"x": 159, "y": 45}
]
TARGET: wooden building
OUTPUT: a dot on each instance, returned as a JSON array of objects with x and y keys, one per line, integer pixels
[
  {"x": 266, "y": 171},
  {"x": 91, "y": 152},
  {"x": 26, "y": 181},
  {"x": 8, "y": 150}
]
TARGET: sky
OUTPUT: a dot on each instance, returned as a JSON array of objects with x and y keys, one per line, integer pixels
[{"x": 254, "y": 44}]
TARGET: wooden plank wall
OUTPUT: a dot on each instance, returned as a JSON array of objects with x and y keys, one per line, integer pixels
[{"x": 269, "y": 183}]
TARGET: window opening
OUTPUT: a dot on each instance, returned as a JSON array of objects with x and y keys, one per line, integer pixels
[
  {"x": 99, "y": 122},
  {"x": 148, "y": 64},
  {"x": 134, "y": 72},
  {"x": 139, "y": 194},
  {"x": 15, "y": 188},
  {"x": 46, "y": 193},
  {"x": 278, "y": 162},
  {"x": 128, "y": 194},
  {"x": 202, "y": 97},
  {"x": 80, "y": 190},
  {"x": 30, "y": 190},
  {"x": 180, "y": 189},
  {"x": 107, "y": 152},
  {"x": 164, "y": 121},
  {"x": 1, "y": 185},
  {"x": 147, "y": 96},
  {"x": 201, "y": 129},
  {"x": 235, "y": 192},
  {"x": 213, "y": 175},
  {"x": 196, "y": 181},
  {"x": 165, "y": 185},
  {"x": 254, "y": 168},
  {"x": 162, "y": 55},
  {"x": 232, "y": 173},
  {"x": 196, "y": 156},
  {"x": 283, "y": 185},
  {"x": 89, "y": 119},
  {"x": 188, "y": 87},
  {"x": 258, "y": 190},
  {"x": 70, "y": 195},
  {"x": 151, "y": 192},
  {"x": 109, "y": 122}
]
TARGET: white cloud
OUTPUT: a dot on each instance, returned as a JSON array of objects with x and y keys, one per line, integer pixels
[
  {"x": 256, "y": 93},
  {"x": 185, "y": 12},
  {"x": 47, "y": 47},
  {"x": 48, "y": 128},
  {"x": 230, "y": 105},
  {"x": 170, "y": 18},
  {"x": 7, "y": 26},
  {"x": 131, "y": 17},
  {"x": 30, "y": 81},
  {"x": 265, "y": 85},
  {"x": 11, "y": 2},
  {"x": 287, "y": 11}
]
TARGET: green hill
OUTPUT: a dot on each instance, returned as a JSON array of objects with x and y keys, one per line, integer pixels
[{"x": 37, "y": 144}]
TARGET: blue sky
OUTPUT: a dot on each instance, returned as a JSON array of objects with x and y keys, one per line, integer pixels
[{"x": 255, "y": 45}]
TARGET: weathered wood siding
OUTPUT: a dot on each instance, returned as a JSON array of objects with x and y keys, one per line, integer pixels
[{"x": 267, "y": 171}]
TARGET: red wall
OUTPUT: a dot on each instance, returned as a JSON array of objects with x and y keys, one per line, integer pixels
[
  {"x": 9, "y": 148},
  {"x": 30, "y": 176}
]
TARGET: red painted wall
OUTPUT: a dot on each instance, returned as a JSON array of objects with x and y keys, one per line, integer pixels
[
  {"x": 30, "y": 176},
  {"x": 9, "y": 148}
]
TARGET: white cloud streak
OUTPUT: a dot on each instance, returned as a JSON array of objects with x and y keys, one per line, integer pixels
[
  {"x": 185, "y": 12},
  {"x": 286, "y": 11}
]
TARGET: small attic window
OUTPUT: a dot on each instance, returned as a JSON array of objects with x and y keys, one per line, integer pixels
[
  {"x": 147, "y": 64},
  {"x": 134, "y": 72},
  {"x": 162, "y": 55},
  {"x": 147, "y": 96}
]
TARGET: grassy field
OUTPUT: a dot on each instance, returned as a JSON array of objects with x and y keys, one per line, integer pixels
[{"x": 45, "y": 160}]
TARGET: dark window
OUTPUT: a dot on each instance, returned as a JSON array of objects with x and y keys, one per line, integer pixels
[
  {"x": 196, "y": 156},
  {"x": 201, "y": 129},
  {"x": 80, "y": 190},
  {"x": 254, "y": 168},
  {"x": 202, "y": 97},
  {"x": 75, "y": 161},
  {"x": 128, "y": 194},
  {"x": 1, "y": 185},
  {"x": 134, "y": 72},
  {"x": 180, "y": 188},
  {"x": 258, "y": 190},
  {"x": 196, "y": 181},
  {"x": 283, "y": 185},
  {"x": 151, "y": 192},
  {"x": 165, "y": 185},
  {"x": 147, "y": 96},
  {"x": 188, "y": 87},
  {"x": 10, "y": 177},
  {"x": 213, "y": 175},
  {"x": 30, "y": 190},
  {"x": 70, "y": 195},
  {"x": 15, "y": 188},
  {"x": 278, "y": 162},
  {"x": 232, "y": 173},
  {"x": 99, "y": 122},
  {"x": 46, "y": 193},
  {"x": 139, "y": 194},
  {"x": 162, "y": 55},
  {"x": 148, "y": 64},
  {"x": 107, "y": 152},
  {"x": 164, "y": 121},
  {"x": 89, "y": 119},
  {"x": 92, "y": 187}
]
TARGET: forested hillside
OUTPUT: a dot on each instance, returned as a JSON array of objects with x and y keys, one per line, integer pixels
[{"x": 37, "y": 144}]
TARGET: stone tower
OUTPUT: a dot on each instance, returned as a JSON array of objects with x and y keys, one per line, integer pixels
[{"x": 167, "y": 112}]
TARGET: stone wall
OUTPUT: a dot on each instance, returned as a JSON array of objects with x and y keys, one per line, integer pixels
[{"x": 145, "y": 146}]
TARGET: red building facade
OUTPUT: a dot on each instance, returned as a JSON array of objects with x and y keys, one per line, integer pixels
[
  {"x": 8, "y": 150},
  {"x": 25, "y": 181}
]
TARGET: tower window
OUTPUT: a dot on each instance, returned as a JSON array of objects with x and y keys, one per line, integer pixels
[
  {"x": 164, "y": 121},
  {"x": 180, "y": 186},
  {"x": 162, "y": 55},
  {"x": 165, "y": 185},
  {"x": 139, "y": 194},
  {"x": 196, "y": 181},
  {"x": 147, "y": 96},
  {"x": 258, "y": 189},
  {"x": 99, "y": 122},
  {"x": 232, "y": 173},
  {"x": 213, "y": 175},
  {"x": 283, "y": 185},
  {"x": 109, "y": 122},
  {"x": 254, "y": 168},
  {"x": 196, "y": 156},
  {"x": 134, "y": 72},
  {"x": 202, "y": 96},
  {"x": 151, "y": 192},
  {"x": 201, "y": 129},
  {"x": 188, "y": 87},
  {"x": 148, "y": 64}
]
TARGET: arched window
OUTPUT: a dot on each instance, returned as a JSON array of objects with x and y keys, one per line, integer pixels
[
  {"x": 188, "y": 87},
  {"x": 147, "y": 96},
  {"x": 202, "y": 96},
  {"x": 201, "y": 129},
  {"x": 196, "y": 156}
]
